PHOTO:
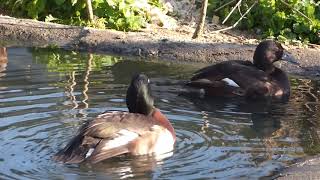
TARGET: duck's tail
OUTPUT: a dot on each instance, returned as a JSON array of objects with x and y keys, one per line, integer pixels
[
  {"x": 75, "y": 151},
  {"x": 83, "y": 148}
]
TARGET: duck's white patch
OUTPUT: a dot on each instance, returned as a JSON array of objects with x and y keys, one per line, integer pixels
[
  {"x": 89, "y": 152},
  {"x": 160, "y": 157},
  {"x": 165, "y": 141},
  {"x": 124, "y": 136},
  {"x": 202, "y": 93},
  {"x": 230, "y": 82},
  {"x": 164, "y": 100},
  {"x": 279, "y": 93}
]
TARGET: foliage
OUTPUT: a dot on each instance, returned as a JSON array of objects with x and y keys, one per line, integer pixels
[
  {"x": 58, "y": 60},
  {"x": 118, "y": 14},
  {"x": 274, "y": 18}
]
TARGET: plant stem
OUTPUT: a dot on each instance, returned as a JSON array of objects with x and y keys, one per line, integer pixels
[
  {"x": 238, "y": 3},
  {"x": 235, "y": 24},
  {"x": 199, "y": 30},
  {"x": 89, "y": 10}
]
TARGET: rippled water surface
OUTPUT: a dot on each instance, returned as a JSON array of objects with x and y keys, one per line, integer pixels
[{"x": 46, "y": 95}]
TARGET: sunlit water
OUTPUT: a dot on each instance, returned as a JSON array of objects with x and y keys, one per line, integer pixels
[{"x": 46, "y": 95}]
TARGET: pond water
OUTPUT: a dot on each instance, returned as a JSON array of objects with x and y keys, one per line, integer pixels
[{"x": 45, "y": 95}]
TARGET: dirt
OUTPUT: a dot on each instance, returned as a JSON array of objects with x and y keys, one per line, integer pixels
[
  {"x": 154, "y": 42},
  {"x": 305, "y": 168}
]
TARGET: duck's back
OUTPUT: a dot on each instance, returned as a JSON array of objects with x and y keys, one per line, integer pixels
[
  {"x": 238, "y": 78},
  {"x": 112, "y": 134}
]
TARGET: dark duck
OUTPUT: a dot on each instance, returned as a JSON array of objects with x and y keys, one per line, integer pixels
[
  {"x": 141, "y": 131},
  {"x": 259, "y": 79}
]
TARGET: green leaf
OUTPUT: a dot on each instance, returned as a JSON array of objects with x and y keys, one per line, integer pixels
[
  {"x": 310, "y": 11},
  {"x": 59, "y": 2},
  {"x": 50, "y": 18},
  {"x": 98, "y": 1},
  {"x": 127, "y": 13},
  {"x": 41, "y": 5},
  {"x": 300, "y": 28},
  {"x": 282, "y": 38},
  {"x": 73, "y": 2},
  {"x": 32, "y": 9},
  {"x": 120, "y": 23},
  {"x": 78, "y": 13},
  {"x": 122, "y": 5},
  {"x": 111, "y": 3}
]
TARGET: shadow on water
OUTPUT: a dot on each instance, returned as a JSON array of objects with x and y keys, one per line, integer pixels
[
  {"x": 265, "y": 116},
  {"x": 47, "y": 97}
]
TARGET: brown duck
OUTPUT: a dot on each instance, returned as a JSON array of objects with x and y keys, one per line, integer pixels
[
  {"x": 257, "y": 80},
  {"x": 143, "y": 130}
]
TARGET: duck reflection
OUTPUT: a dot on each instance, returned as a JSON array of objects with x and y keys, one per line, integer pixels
[
  {"x": 265, "y": 116},
  {"x": 264, "y": 125},
  {"x": 127, "y": 166},
  {"x": 3, "y": 60}
]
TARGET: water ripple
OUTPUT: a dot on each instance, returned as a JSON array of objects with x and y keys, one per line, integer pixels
[{"x": 41, "y": 109}]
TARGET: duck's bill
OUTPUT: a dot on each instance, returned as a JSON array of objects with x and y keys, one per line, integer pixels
[{"x": 289, "y": 58}]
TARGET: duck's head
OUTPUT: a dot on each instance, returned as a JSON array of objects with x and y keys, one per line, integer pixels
[
  {"x": 139, "y": 98},
  {"x": 268, "y": 52}
]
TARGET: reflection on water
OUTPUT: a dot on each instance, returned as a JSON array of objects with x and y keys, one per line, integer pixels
[
  {"x": 3, "y": 60},
  {"x": 46, "y": 95}
]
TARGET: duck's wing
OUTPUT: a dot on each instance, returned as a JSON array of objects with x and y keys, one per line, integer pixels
[
  {"x": 232, "y": 78},
  {"x": 106, "y": 136},
  {"x": 205, "y": 87},
  {"x": 220, "y": 70},
  {"x": 243, "y": 73}
]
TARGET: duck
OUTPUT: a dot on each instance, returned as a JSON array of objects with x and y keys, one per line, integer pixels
[
  {"x": 144, "y": 130},
  {"x": 259, "y": 79}
]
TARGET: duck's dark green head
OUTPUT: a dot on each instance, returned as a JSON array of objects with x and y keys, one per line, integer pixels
[
  {"x": 268, "y": 52},
  {"x": 139, "y": 98}
]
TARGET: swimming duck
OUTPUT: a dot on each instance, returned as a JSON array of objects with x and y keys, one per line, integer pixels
[
  {"x": 143, "y": 130},
  {"x": 257, "y": 80}
]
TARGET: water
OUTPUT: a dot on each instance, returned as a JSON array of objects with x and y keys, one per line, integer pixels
[{"x": 46, "y": 95}]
